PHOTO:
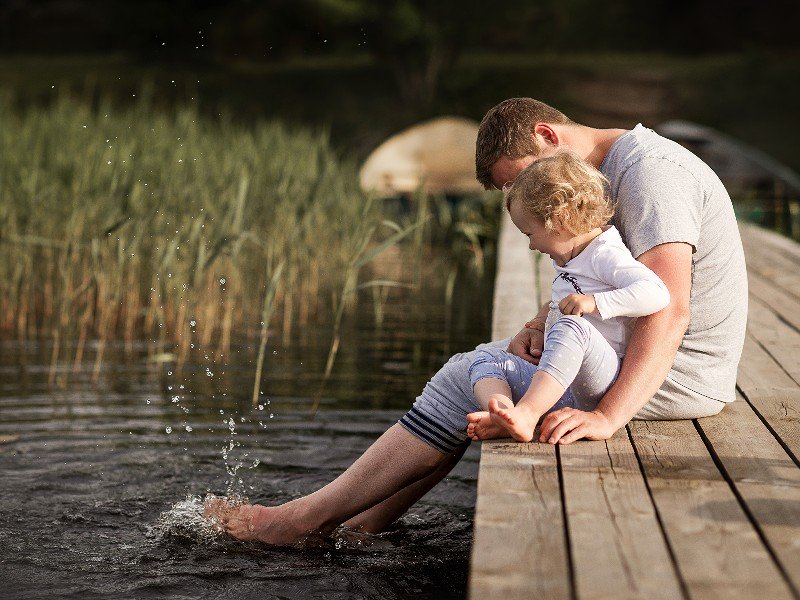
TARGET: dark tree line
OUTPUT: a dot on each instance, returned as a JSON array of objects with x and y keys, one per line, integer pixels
[
  {"x": 269, "y": 29},
  {"x": 418, "y": 40}
]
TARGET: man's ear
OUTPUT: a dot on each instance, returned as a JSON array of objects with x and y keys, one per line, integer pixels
[{"x": 546, "y": 133}]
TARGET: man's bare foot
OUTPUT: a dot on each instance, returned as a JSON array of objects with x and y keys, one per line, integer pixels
[
  {"x": 516, "y": 421},
  {"x": 275, "y": 525},
  {"x": 481, "y": 427}
]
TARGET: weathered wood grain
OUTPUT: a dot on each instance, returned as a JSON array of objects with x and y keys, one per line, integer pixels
[
  {"x": 781, "y": 302},
  {"x": 772, "y": 257},
  {"x": 729, "y": 528},
  {"x": 781, "y": 341},
  {"x": 765, "y": 477},
  {"x": 618, "y": 548},
  {"x": 515, "y": 299},
  {"x": 519, "y": 548},
  {"x": 772, "y": 393},
  {"x": 718, "y": 552}
]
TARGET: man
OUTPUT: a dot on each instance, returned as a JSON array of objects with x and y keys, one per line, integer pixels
[{"x": 674, "y": 215}]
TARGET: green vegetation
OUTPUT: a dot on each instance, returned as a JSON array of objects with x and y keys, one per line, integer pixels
[{"x": 136, "y": 223}]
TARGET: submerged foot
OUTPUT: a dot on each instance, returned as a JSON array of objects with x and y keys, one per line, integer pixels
[
  {"x": 274, "y": 525},
  {"x": 514, "y": 420},
  {"x": 480, "y": 426}
]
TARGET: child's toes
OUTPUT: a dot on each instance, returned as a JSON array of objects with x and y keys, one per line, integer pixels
[
  {"x": 475, "y": 417},
  {"x": 505, "y": 414}
]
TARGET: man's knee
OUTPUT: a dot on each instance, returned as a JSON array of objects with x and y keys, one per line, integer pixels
[{"x": 490, "y": 362}]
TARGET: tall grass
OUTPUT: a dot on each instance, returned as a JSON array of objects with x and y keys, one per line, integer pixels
[{"x": 137, "y": 224}]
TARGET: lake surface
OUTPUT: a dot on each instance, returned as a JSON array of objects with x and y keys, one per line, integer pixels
[{"x": 102, "y": 482}]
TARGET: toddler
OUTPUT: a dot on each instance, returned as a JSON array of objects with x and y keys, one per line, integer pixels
[{"x": 560, "y": 203}]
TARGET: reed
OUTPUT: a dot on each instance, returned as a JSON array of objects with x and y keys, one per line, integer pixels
[
  {"x": 125, "y": 223},
  {"x": 132, "y": 224}
]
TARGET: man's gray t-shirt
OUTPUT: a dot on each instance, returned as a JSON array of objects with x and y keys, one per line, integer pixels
[{"x": 663, "y": 194}]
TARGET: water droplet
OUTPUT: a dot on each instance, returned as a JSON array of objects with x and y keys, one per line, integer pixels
[
  {"x": 188, "y": 428},
  {"x": 192, "y": 322},
  {"x": 222, "y": 281},
  {"x": 168, "y": 429},
  {"x": 260, "y": 407}
]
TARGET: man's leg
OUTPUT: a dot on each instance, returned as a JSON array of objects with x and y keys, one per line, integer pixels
[
  {"x": 395, "y": 461},
  {"x": 423, "y": 446},
  {"x": 380, "y": 516}
]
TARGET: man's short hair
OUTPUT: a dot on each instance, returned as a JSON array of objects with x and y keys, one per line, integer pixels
[{"x": 506, "y": 131}]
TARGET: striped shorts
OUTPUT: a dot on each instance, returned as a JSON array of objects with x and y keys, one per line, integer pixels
[{"x": 439, "y": 415}]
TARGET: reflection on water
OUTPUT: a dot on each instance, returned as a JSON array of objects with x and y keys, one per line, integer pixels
[{"x": 102, "y": 484}]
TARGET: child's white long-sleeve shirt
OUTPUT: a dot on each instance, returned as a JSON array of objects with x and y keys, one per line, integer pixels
[{"x": 623, "y": 288}]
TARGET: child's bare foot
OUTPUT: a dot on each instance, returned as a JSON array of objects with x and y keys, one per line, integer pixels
[
  {"x": 275, "y": 525},
  {"x": 517, "y": 421},
  {"x": 481, "y": 427}
]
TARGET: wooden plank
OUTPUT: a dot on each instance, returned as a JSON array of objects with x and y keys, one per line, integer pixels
[
  {"x": 774, "y": 257},
  {"x": 759, "y": 371},
  {"x": 772, "y": 393},
  {"x": 618, "y": 548},
  {"x": 756, "y": 236},
  {"x": 782, "y": 303},
  {"x": 781, "y": 341},
  {"x": 764, "y": 476},
  {"x": 519, "y": 548},
  {"x": 718, "y": 551},
  {"x": 780, "y": 273},
  {"x": 773, "y": 264},
  {"x": 513, "y": 303}
]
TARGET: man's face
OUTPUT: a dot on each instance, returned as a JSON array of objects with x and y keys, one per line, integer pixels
[{"x": 505, "y": 170}]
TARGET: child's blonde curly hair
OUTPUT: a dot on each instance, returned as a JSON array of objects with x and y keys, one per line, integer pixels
[{"x": 563, "y": 191}]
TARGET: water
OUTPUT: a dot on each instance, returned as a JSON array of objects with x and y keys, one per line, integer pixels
[{"x": 99, "y": 500}]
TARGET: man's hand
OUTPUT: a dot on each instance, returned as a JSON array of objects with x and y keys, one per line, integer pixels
[
  {"x": 528, "y": 344},
  {"x": 569, "y": 424},
  {"x": 577, "y": 304}
]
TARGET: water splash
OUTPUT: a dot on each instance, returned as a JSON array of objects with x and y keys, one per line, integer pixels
[{"x": 185, "y": 520}]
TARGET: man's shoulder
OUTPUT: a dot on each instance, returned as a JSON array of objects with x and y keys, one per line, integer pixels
[{"x": 643, "y": 153}]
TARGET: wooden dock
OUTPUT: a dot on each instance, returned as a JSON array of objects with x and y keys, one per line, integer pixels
[{"x": 708, "y": 508}]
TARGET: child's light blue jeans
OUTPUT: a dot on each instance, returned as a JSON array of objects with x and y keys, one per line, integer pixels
[{"x": 575, "y": 354}]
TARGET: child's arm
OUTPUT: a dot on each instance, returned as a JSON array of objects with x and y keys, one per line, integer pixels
[{"x": 638, "y": 291}]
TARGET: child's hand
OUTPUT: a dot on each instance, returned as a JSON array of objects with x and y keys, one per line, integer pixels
[{"x": 578, "y": 304}]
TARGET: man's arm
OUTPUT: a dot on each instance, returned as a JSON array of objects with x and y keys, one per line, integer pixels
[{"x": 648, "y": 358}]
